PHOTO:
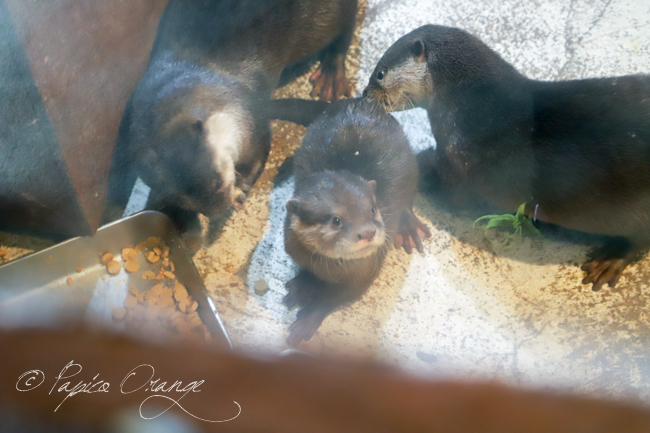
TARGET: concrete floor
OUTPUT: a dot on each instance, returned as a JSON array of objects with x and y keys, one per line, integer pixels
[{"x": 469, "y": 306}]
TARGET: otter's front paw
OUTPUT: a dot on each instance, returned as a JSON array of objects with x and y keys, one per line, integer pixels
[
  {"x": 329, "y": 81},
  {"x": 303, "y": 328},
  {"x": 411, "y": 231},
  {"x": 301, "y": 289}
]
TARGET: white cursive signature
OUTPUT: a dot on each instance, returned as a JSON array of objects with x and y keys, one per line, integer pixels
[
  {"x": 140, "y": 377},
  {"x": 158, "y": 386}
]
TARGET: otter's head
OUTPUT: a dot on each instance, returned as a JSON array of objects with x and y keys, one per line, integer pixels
[
  {"x": 190, "y": 151},
  {"x": 424, "y": 61},
  {"x": 336, "y": 215}
]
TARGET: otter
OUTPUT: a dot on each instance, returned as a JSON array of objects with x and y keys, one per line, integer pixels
[
  {"x": 356, "y": 178},
  {"x": 196, "y": 128},
  {"x": 577, "y": 152}
]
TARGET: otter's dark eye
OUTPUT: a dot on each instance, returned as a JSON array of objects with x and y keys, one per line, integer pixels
[
  {"x": 336, "y": 221},
  {"x": 372, "y": 210},
  {"x": 380, "y": 75}
]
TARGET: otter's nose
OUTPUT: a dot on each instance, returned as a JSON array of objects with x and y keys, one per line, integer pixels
[
  {"x": 365, "y": 93},
  {"x": 367, "y": 235}
]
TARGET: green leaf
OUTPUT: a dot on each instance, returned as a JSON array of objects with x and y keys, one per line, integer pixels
[
  {"x": 494, "y": 223},
  {"x": 522, "y": 224},
  {"x": 522, "y": 208}
]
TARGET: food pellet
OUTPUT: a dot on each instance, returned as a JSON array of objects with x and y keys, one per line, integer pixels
[
  {"x": 184, "y": 327},
  {"x": 113, "y": 267},
  {"x": 130, "y": 302},
  {"x": 138, "y": 311},
  {"x": 107, "y": 258},
  {"x": 129, "y": 254},
  {"x": 152, "y": 257},
  {"x": 180, "y": 293},
  {"x": 70, "y": 281},
  {"x": 152, "y": 242},
  {"x": 79, "y": 269},
  {"x": 131, "y": 266},
  {"x": 151, "y": 313},
  {"x": 119, "y": 314}
]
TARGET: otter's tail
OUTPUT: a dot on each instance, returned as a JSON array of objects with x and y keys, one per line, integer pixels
[{"x": 300, "y": 111}]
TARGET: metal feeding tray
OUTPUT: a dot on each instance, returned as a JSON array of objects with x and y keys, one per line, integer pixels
[{"x": 68, "y": 283}]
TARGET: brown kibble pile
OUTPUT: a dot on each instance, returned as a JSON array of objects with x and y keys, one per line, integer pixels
[
  {"x": 161, "y": 309},
  {"x": 166, "y": 308}
]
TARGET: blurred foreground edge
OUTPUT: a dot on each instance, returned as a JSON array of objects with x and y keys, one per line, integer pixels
[{"x": 290, "y": 394}]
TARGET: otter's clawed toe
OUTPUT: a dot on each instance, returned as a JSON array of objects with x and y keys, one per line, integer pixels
[
  {"x": 330, "y": 83},
  {"x": 303, "y": 328},
  {"x": 606, "y": 264},
  {"x": 411, "y": 232},
  {"x": 601, "y": 272}
]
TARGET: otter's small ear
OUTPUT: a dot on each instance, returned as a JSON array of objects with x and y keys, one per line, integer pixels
[
  {"x": 417, "y": 48},
  {"x": 293, "y": 206},
  {"x": 198, "y": 126},
  {"x": 373, "y": 186}
]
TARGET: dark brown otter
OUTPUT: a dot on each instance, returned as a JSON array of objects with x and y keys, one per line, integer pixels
[
  {"x": 577, "y": 152},
  {"x": 356, "y": 178},
  {"x": 196, "y": 128}
]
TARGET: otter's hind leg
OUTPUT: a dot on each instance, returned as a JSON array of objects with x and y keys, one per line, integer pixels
[
  {"x": 329, "y": 81},
  {"x": 606, "y": 264}
]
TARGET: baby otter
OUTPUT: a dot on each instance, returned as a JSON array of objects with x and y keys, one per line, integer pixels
[
  {"x": 577, "y": 152},
  {"x": 356, "y": 178},
  {"x": 196, "y": 128}
]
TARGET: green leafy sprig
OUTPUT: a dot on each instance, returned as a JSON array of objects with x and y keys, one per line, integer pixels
[{"x": 522, "y": 224}]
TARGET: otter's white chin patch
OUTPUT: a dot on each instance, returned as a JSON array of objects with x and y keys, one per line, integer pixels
[
  {"x": 225, "y": 136},
  {"x": 359, "y": 251}
]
